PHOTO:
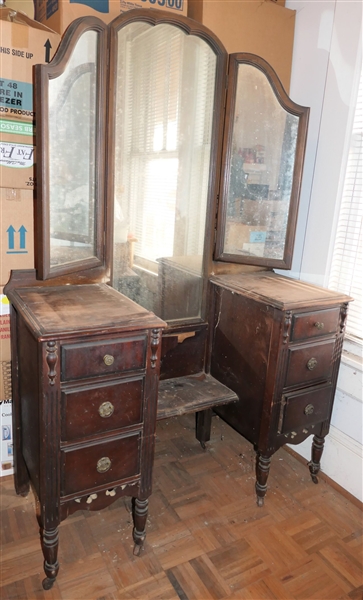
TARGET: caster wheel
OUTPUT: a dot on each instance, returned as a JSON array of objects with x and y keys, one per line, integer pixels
[
  {"x": 47, "y": 583},
  {"x": 137, "y": 549}
]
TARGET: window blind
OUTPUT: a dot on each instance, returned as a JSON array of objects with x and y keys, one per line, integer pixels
[
  {"x": 346, "y": 270},
  {"x": 166, "y": 141}
]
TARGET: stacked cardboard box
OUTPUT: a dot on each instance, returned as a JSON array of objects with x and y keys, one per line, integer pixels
[
  {"x": 262, "y": 28},
  {"x": 24, "y": 42},
  {"x": 58, "y": 14}
]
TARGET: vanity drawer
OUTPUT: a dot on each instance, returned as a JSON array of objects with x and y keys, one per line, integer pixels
[
  {"x": 103, "y": 357},
  {"x": 310, "y": 363},
  {"x": 90, "y": 466},
  {"x": 100, "y": 408},
  {"x": 304, "y": 408},
  {"x": 314, "y": 324}
]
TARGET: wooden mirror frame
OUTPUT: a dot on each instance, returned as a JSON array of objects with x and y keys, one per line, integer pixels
[
  {"x": 156, "y": 17},
  {"x": 43, "y": 75},
  {"x": 290, "y": 107}
]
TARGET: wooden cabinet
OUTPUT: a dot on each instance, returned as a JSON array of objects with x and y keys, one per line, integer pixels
[
  {"x": 85, "y": 401},
  {"x": 161, "y": 161},
  {"x": 277, "y": 343}
]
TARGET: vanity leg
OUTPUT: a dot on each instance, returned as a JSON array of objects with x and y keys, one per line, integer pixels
[
  {"x": 50, "y": 540},
  {"x": 317, "y": 448},
  {"x": 262, "y": 471},
  {"x": 140, "y": 510},
  {"x": 203, "y": 425}
]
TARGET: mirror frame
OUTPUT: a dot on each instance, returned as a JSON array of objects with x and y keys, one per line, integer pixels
[
  {"x": 43, "y": 75},
  {"x": 290, "y": 107},
  {"x": 190, "y": 27}
]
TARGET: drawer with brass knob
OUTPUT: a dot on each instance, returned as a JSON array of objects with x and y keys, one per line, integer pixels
[
  {"x": 303, "y": 408},
  {"x": 314, "y": 324},
  {"x": 89, "y": 466},
  {"x": 102, "y": 357},
  {"x": 309, "y": 363},
  {"x": 102, "y": 408}
]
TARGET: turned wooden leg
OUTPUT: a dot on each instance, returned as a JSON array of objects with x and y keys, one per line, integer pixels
[
  {"x": 262, "y": 471},
  {"x": 317, "y": 448},
  {"x": 140, "y": 510},
  {"x": 50, "y": 540},
  {"x": 203, "y": 425}
]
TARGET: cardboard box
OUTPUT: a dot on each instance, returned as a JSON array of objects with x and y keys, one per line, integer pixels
[
  {"x": 6, "y": 441},
  {"x": 5, "y": 352},
  {"x": 58, "y": 14},
  {"x": 17, "y": 231},
  {"x": 262, "y": 28},
  {"x": 24, "y": 6},
  {"x": 17, "y": 154},
  {"x": 24, "y": 43}
]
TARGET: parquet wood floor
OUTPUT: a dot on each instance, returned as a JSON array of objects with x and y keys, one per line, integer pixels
[{"x": 207, "y": 539}]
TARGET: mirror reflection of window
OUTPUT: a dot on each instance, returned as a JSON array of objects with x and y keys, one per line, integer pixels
[
  {"x": 164, "y": 113},
  {"x": 261, "y": 169},
  {"x": 72, "y": 118}
]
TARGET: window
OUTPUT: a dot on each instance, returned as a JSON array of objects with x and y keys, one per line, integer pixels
[
  {"x": 346, "y": 271},
  {"x": 167, "y": 107}
]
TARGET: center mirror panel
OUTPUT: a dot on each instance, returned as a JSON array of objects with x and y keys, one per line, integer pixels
[{"x": 164, "y": 115}]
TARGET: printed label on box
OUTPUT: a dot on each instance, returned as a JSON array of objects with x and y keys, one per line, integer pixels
[
  {"x": 4, "y": 305},
  {"x": 170, "y": 4},
  {"x": 16, "y": 156},
  {"x": 16, "y": 93},
  {"x": 6, "y": 432},
  {"x": 17, "y": 240},
  {"x": 16, "y": 127},
  {"x": 99, "y": 5}
]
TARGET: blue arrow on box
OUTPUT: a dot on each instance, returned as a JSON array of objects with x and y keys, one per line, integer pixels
[{"x": 11, "y": 240}]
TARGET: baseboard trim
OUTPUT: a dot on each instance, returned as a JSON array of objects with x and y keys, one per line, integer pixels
[{"x": 327, "y": 479}]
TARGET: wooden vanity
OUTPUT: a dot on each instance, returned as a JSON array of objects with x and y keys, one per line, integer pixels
[{"x": 168, "y": 180}]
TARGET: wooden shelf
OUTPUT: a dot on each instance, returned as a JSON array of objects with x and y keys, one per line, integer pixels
[{"x": 191, "y": 394}]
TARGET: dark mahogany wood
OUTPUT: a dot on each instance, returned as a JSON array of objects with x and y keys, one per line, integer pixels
[
  {"x": 86, "y": 378},
  {"x": 316, "y": 454},
  {"x": 191, "y": 394},
  {"x": 284, "y": 376},
  {"x": 86, "y": 361}
]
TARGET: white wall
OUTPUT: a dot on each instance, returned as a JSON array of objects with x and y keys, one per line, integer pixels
[{"x": 325, "y": 72}]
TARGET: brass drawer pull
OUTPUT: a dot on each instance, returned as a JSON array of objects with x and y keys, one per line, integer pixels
[
  {"x": 103, "y": 464},
  {"x": 309, "y": 409},
  {"x": 105, "y": 409},
  {"x": 108, "y": 360},
  {"x": 319, "y": 325},
  {"x": 311, "y": 364}
]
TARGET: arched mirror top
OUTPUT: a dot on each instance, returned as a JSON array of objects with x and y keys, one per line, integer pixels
[
  {"x": 71, "y": 153},
  {"x": 263, "y": 152},
  {"x": 158, "y": 17}
]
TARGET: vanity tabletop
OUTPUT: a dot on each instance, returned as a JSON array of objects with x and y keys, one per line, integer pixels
[{"x": 76, "y": 308}]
